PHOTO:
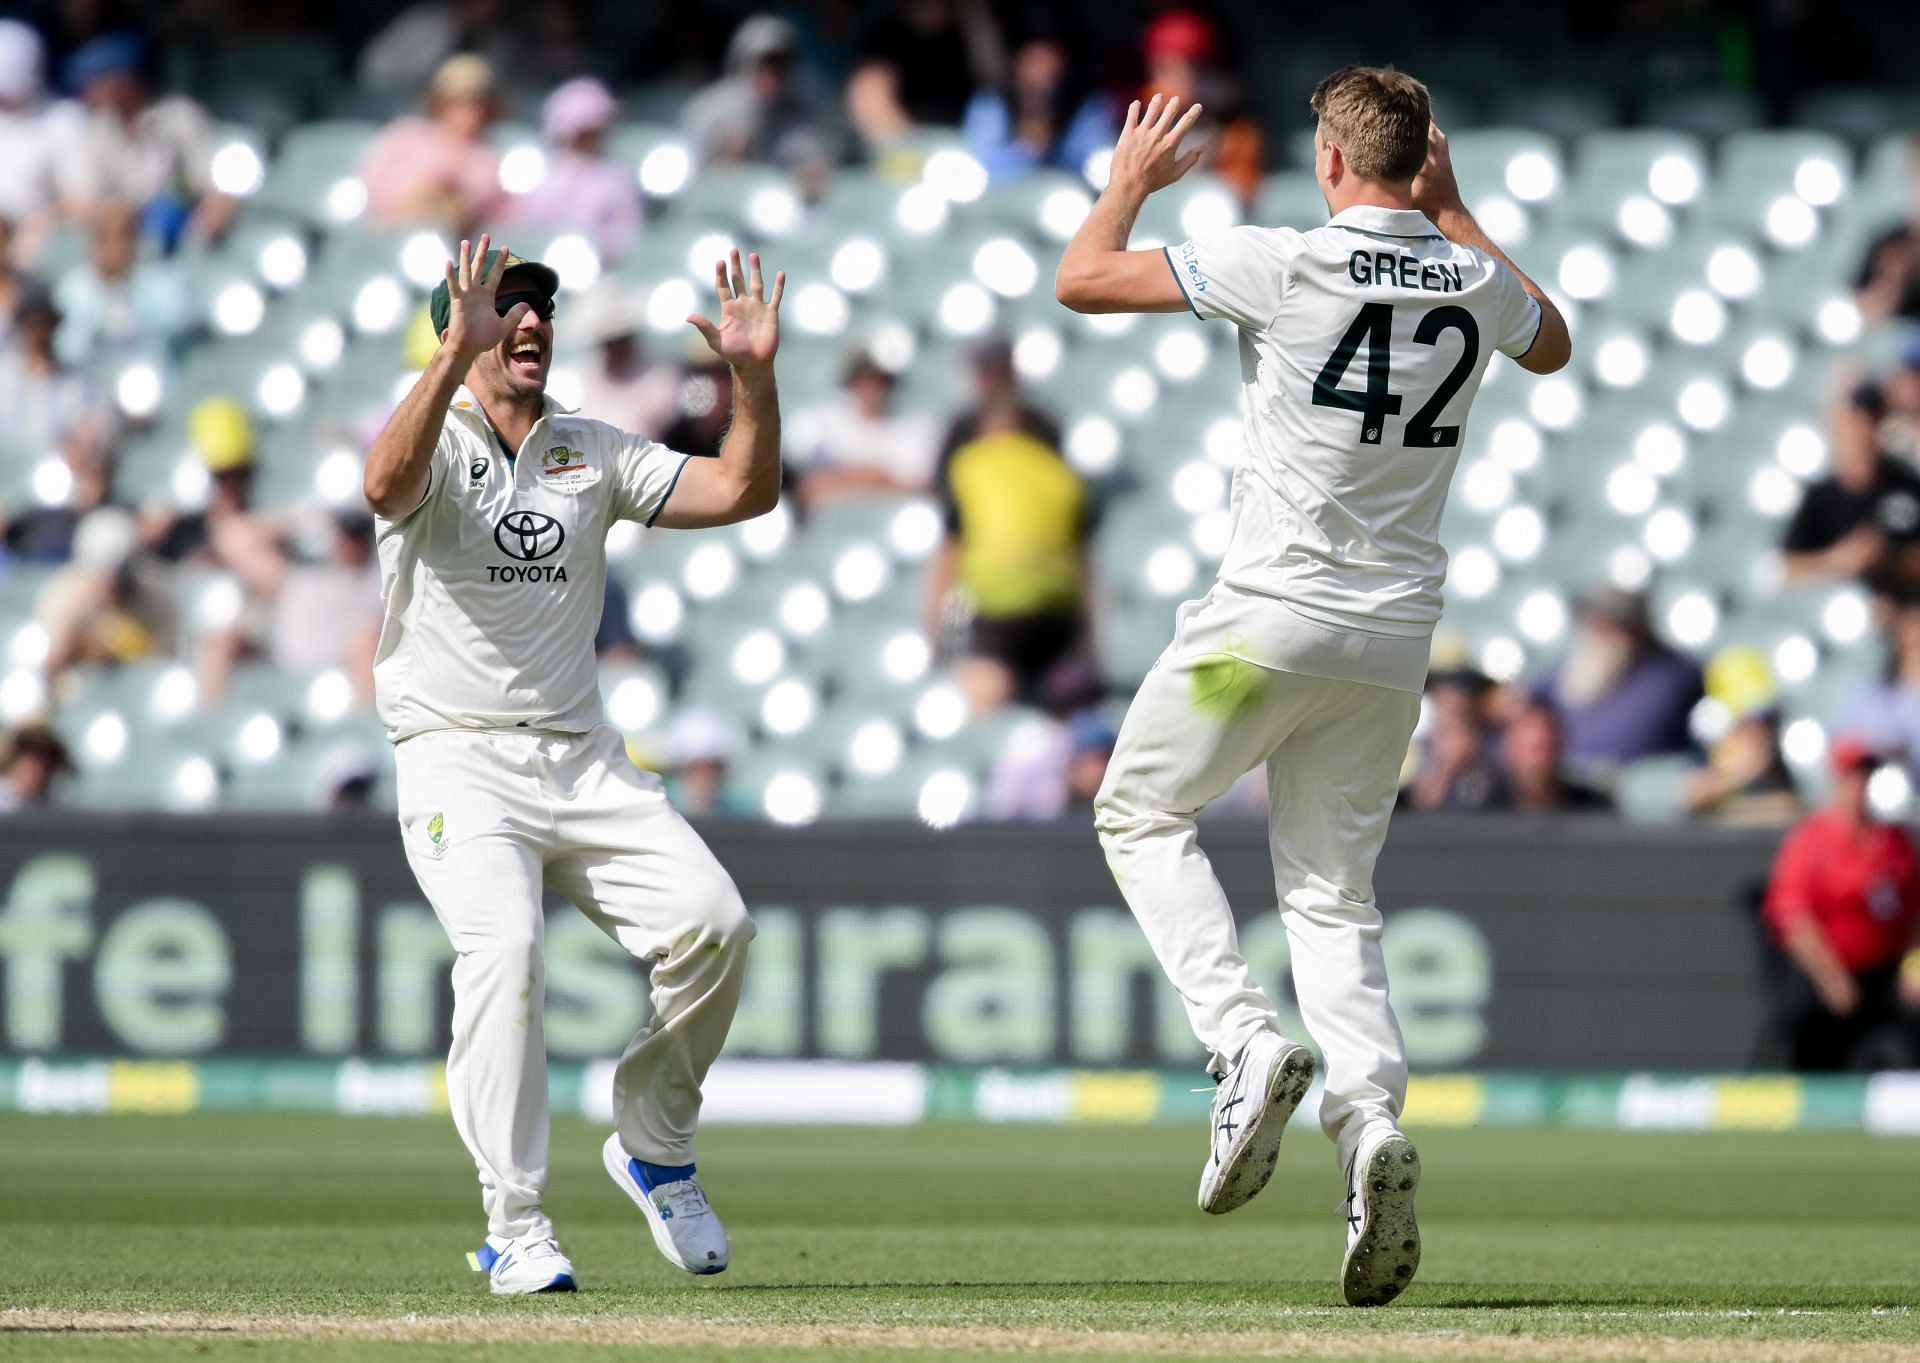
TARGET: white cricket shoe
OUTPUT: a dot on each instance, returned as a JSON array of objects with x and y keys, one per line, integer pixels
[
  {"x": 684, "y": 1225},
  {"x": 1251, "y": 1106},
  {"x": 519, "y": 1267},
  {"x": 1383, "y": 1239}
]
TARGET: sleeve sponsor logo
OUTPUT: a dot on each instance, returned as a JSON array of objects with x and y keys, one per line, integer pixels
[{"x": 1190, "y": 263}]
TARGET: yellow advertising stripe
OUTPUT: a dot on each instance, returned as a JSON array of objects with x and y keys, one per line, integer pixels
[
  {"x": 1766, "y": 1103},
  {"x": 152, "y": 1086},
  {"x": 1445, "y": 1099},
  {"x": 437, "y": 1089},
  {"x": 1113, "y": 1096}
]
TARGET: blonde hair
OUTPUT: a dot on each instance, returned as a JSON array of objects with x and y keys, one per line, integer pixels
[{"x": 1378, "y": 117}]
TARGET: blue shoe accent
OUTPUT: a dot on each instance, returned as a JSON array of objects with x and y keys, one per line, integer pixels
[
  {"x": 650, "y": 1176},
  {"x": 483, "y": 1259},
  {"x": 563, "y": 1283}
]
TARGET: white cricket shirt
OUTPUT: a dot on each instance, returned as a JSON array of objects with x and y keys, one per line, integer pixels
[
  {"x": 493, "y": 585},
  {"x": 1362, "y": 344}
]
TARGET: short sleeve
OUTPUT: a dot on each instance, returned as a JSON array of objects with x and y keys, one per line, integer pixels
[
  {"x": 1239, "y": 274},
  {"x": 1790, "y": 890},
  {"x": 1808, "y": 530},
  {"x": 644, "y": 473},
  {"x": 440, "y": 471},
  {"x": 1517, "y": 322}
]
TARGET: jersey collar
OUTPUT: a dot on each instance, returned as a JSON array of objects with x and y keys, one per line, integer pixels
[
  {"x": 1406, "y": 224},
  {"x": 464, "y": 401}
]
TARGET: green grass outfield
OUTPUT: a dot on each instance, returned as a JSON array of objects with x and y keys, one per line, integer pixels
[{"x": 294, "y": 1237}]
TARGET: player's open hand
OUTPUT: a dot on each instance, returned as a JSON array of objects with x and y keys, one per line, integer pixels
[
  {"x": 748, "y": 332},
  {"x": 1435, "y": 189},
  {"x": 1147, "y": 156},
  {"x": 473, "y": 326}
]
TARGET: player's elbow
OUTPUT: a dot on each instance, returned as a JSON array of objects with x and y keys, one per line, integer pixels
[
  {"x": 1545, "y": 360},
  {"x": 383, "y": 497},
  {"x": 1074, "y": 289},
  {"x": 756, "y": 498}
]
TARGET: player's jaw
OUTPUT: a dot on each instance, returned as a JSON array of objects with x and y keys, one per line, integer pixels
[{"x": 525, "y": 355}]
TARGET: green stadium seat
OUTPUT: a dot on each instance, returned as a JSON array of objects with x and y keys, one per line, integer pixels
[
  {"x": 1858, "y": 115},
  {"x": 1483, "y": 162},
  {"x": 1709, "y": 114},
  {"x": 1562, "y": 111},
  {"x": 1290, "y": 198},
  {"x": 311, "y": 160},
  {"x": 1200, "y": 202},
  {"x": 1611, "y": 166}
]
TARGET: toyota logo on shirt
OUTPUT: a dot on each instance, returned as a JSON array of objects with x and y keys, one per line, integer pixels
[{"x": 529, "y": 535}]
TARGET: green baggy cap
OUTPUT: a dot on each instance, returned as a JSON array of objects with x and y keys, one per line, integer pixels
[{"x": 440, "y": 306}]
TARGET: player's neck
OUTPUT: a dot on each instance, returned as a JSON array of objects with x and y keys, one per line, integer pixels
[
  {"x": 512, "y": 416},
  {"x": 1368, "y": 194}
]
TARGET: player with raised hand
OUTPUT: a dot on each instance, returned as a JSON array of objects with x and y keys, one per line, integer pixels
[
  {"x": 1361, "y": 345},
  {"x": 494, "y": 503}
]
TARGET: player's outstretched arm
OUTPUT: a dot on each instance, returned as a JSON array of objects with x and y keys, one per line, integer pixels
[
  {"x": 398, "y": 465},
  {"x": 744, "y": 481},
  {"x": 1437, "y": 194},
  {"x": 1097, "y": 271}
]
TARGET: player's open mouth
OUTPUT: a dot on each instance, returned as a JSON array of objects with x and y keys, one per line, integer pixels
[{"x": 529, "y": 357}]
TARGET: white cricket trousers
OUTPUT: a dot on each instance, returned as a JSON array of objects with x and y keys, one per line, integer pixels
[
  {"x": 491, "y": 819},
  {"x": 1333, "y": 752}
]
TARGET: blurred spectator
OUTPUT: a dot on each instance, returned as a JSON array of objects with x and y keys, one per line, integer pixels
[
  {"x": 1015, "y": 555},
  {"x": 706, "y": 410},
  {"x": 1620, "y": 694},
  {"x": 1888, "y": 284},
  {"x": 621, "y": 383},
  {"x": 326, "y": 614},
  {"x": 583, "y": 191},
  {"x": 920, "y": 65},
  {"x": 403, "y": 56},
  {"x": 1453, "y": 764},
  {"x": 1181, "y": 48},
  {"x": 1051, "y": 767},
  {"x": 44, "y": 533},
  {"x": 1040, "y": 117},
  {"x": 615, "y": 639},
  {"x": 32, "y": 758},
  {"x": 1533, "y": 779},
  {"x": 859, "y": 444},
  {"x": 1886, "y": 712},
  {"x": 1843, "y": 905},
  {"x": 14, "y": 281},
  {"x": 1899, "y": 430},
  {"x": 346, "y": 776},
  {"x": 1862, "y": 519},
  {"x": 700, "y": 746},
  {"x": 32, "y": 134},
  {"x": 230, "y": 535},
  {"x": 47, "y": 403},
  {"x": 116, "y": 299},
  {"x": 112, "y": 604},
  {"x": 762, "y": 110},
  {"x": 1745, "y": 778},
  {"x": 156, "y": 154},
  {"x": 439, "y": 169}
]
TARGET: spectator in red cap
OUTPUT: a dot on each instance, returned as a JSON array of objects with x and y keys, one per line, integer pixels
[
  {"x": 1182, "y": 53},
  {"x": 1843, "y": 906}
]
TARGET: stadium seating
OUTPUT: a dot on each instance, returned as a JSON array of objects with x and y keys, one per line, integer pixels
[{"x": 1683, "y": 251}]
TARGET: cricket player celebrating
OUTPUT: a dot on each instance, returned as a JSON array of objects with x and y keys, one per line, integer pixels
[
  {"x": 1361, "y": 346},
  {"x": 494, "y": 503}
]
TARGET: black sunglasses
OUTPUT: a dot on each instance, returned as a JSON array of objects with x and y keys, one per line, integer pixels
[{"x": 541, "y": 303}]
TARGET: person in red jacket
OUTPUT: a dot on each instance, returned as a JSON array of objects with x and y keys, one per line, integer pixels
[{"x": 1844, "y": 905}]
